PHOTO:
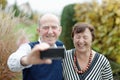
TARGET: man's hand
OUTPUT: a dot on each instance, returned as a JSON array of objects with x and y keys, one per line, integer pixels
[{"x": 34, "y": 56}]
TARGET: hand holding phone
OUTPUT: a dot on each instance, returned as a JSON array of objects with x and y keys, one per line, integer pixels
[{"x": 53, "y": 53}]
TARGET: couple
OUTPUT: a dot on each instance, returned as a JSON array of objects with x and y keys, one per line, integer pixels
[{"x": 80, "y": 63}]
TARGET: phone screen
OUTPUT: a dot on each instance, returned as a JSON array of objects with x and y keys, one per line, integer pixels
[{"x": 53, "y": 53}]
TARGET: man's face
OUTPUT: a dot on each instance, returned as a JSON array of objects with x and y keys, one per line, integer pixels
[{"x": 49, "y": 31}]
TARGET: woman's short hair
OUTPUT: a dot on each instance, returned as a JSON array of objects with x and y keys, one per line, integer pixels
[{"x": 80, "y": 27}]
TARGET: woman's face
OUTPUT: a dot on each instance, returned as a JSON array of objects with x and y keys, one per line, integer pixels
[{"x": 82, "y": 41}]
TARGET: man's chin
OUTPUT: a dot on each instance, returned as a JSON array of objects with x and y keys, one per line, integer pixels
[{"x": 51, "y": 43}]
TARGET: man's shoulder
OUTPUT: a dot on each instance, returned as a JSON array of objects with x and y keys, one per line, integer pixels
[
  {"x": 32, "y": 44},
  {"x": 59, "y": 43},
  {"x": 35, "y": 42}
]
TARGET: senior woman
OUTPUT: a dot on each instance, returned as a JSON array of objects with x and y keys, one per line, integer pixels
[{"x": 83, "y": 63}]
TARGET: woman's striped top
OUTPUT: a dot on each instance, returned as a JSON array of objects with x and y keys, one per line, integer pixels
[{"x": 99, "y": 68}]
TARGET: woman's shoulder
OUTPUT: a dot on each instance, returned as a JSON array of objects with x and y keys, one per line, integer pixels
[
  {"x": 68, "y": 54},
  {"x": 102, "y": 57},
  {"x": 70, "y": 50}
]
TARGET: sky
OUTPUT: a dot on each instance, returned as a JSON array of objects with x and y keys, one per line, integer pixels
[{"x": 44, "y": 6}]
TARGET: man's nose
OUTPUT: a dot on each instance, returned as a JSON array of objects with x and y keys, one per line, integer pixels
[{"x": 50, "y": 30}]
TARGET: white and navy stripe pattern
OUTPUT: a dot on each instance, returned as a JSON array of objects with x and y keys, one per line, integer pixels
[{"x": 99, "y": 69}]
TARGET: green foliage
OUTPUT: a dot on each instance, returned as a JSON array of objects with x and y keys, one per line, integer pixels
[
  {"x": 21, "y": 13},
  {"x": 16, "y": 10},
  {"x": 30, "y": 31},
  {"x": 106, "y": 21},
  {"x": 67, "y": 22},
  {"x": 3, "y": 3},
  {"x": 116, "y": 70}
]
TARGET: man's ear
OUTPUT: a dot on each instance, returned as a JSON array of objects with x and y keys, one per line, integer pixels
[
  {"x": 60, "y": 30},
  {"x": 38, "y": 29}
]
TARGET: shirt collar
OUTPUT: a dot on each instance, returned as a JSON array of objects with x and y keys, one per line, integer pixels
[{"x": 54, "y": 46}]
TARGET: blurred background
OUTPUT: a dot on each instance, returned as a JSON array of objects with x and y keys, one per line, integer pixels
[
  {"x": 43, "y": 6},
  {"x": 18, "y": 23}
]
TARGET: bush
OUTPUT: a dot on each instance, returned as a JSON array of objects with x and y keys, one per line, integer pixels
[
  {"x": 106, "y": 20},
  {"x": 3, "y": 3},
  {"x": 67, "y": 22},
  {"x": 7, "y": 43}
]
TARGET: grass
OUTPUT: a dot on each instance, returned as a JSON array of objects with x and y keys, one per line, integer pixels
[{"x": 30, "y": 30}]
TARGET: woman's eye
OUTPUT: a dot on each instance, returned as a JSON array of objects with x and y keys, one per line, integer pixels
[
  {"x": 85, "y": 37},
  {"x": 77, "y": 37}
]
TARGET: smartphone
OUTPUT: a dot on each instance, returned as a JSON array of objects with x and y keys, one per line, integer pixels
[{"x": 53, "y": 53}]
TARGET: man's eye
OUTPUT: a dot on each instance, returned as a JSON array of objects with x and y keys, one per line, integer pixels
[
  {"x": 45, "y": 27},
  {"x": 54, "y": 27}
]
